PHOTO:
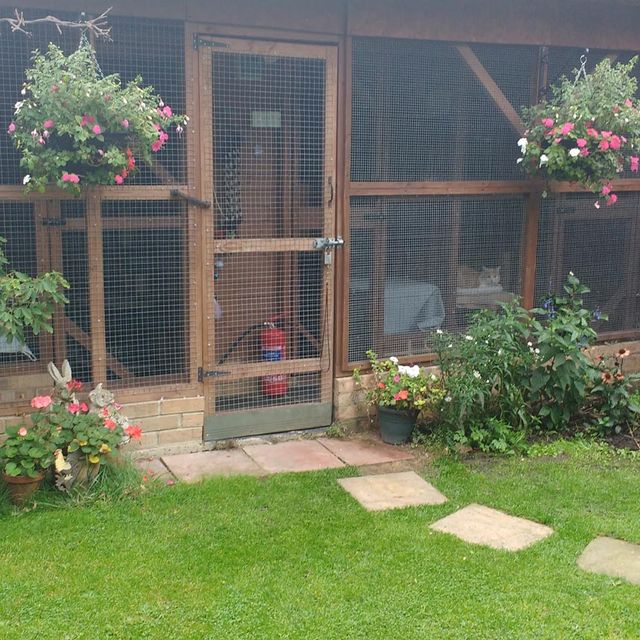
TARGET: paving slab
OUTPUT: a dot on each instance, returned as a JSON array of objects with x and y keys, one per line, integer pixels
[
  {"x": 361, "y": 452},
  {"x": 482, "y": 525},
  {"x": 392, "y": 491},
  {"x": 191, "y": 467},
  {"x": 611, "y": 557},
  {"x": 294, "y": 455},
  {"x": 152, "y": 467}
]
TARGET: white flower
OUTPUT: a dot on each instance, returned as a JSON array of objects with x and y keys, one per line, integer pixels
[
  {"x": 26, "y": 179},
  {"x": 18, "y": 106},
  {"x": 412, "y": 372},
  {"x": 393, "y": 359},
  {"x": 544, "y": 158},
  {"x": 476, "y": 375},
  {"x": 468, "y": 337},
  {"x": 529, "y": 344},
  {"x": 24, "y": 91},
  {"x": 519, "y": 160},
  {"x": 35, "y": 134},
  {"x": 575, "y": 152},
  {"x": 596, "y": 204},
  {"x": 536, "y": 351},
  {"x": 522, "y": 143},
  {"x": 447, "y": 399},
  {"x": 571, "y": 273},
  {"x": 450, "y": 345},
  {"x": 439, "y": 331},
  {"x": 500, "y": 352}
]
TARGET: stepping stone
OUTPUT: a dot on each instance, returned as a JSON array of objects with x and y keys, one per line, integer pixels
[
  {"x": 614, "y": 558},
  {"x": 191, "y": 467},
  {"x": 358, "y": 453},
  {"x": 152, "y": 467},
  {"x": 294, "y": 455},
  {"x": 481, "y": 525},
  {"x": 392, "y": 491}
]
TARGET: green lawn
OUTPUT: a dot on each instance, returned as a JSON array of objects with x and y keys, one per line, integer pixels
[{"x": 294, "y": 556}]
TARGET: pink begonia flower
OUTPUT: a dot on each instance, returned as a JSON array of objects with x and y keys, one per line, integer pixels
[
  {"x": 167, "y": 112},
  {"x": 396, "y": 378},
  {"x": 615, "y": 143},
  {"x": 41, "y": 140},
  {"x": 628, "y": 103},
  {"x": 70, "y": 177},
  {"x": 41, "y": 402},
  {"x": 584, "y": 152},
  {"x": 156, "y": 146},
  {"x": 613, "y": 198},
  {"x": 125, "y": 123},
  {"x": 548, "y": 122},
  {"x": 566, "y": 128},
  {"x": 11, "y": 128},
  {"x": 22, "y": 432},
  {"x": 592, "y": 132},
  {"x": 581, "y": 142},
  {"x": 557, "y": 141},
  {"x": 49, "y": 123},
  {"x": 634, "y": 161},
  {"x": 85, "y": 120},
  {"x": 606, "y": 134},
  {"x": 606, "y": 190},
  {"x": 603, "y": 146},
  {"x": 73, "y": 407},
  {"x": 118, "y": 179},
  {"x": 96, "y": 129},
  {"x": 110, "y": 424}
]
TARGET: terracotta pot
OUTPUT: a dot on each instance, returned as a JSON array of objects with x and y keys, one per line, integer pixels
[{"x": 21, "y": 488}]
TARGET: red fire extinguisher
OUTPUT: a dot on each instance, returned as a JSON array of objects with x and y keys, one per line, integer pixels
[{"x": 273, "y": 341}]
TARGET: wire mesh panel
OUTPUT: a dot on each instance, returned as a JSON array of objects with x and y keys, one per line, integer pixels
[
  {"x": 146, "y": 291},
  {"x": 273, "y": 128},
  {"x": 421, "y": 110},
  {"x": 421, "y": 264},
  {"x": 599, "y": 247}
]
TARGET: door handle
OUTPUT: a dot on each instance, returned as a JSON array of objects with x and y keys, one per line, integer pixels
[{"x": 331, "y": 190}]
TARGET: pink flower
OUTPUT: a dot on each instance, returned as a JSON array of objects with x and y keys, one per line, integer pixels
[
  {"x": 628, "y": 103},
  {"x": 41, "y": 402},
  {"x": 566, "y": 128},
  {"x": 167, "y": 112},
  {"x": 615, "y": 142},
  {"x": 633, "y": 161},
  {"x": 118, "y": 179},
  {"x": 606, "y": 190},
  {"x": 96, "y": 129},
  {"x": 105, "y": 412},
  {"x": 125, "y": 123},
  {"x": 73, "y": 407},
  {"x": 156, "y": 146},
  {"x": 581, "y": 142},
  {"x": 134, "y": 432},
  {"x": 592, "y": 132},
  {"x": 548, "y": 122},
  {"x": 603, "y": 146},
  {"x": 22, "y": 432},
  {"x": 613, "y": 198},
  {"x": 70, "y": 177},
  {"x": 164, "y": 136},
  {"x": 55, "y": 88},
  {"x": 84, "y": 407},
  {"x": 557, "y": 140},
  {"x": 85, "y": 120},
  {"x": 403, "y": 394},
  {"x": 110, "y": 424},
  {"x": 606, "y": 134},
  {"x": 396, "y": 378},
  {"x": 48, "y": 124},
  {"x": 584, "y": 152},
  {"x": 11, "y": 128},
  {"x": 40, "y": 140}
]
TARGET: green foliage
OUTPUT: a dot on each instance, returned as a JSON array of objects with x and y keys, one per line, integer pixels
[
  {"x": 26, "y": 452},
  {"x": 589, "y": 130},
  {"x": 74, "y": 127},
  {"x": 27, "y": 302},
  {"x": 406, "y": 388}
]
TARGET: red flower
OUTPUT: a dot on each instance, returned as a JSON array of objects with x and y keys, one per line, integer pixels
[
  {"x": 134, "y": 432},
  {"x": 104, "y": 412},
  {"x": 74, "y": 385},
  {"x": 612, "y": 199},
  {"x": 73, "y": 407},
  {"x": 403, "y": 394},
  {"x": 110, "y": 424},
  {"x": 84, "y": 407},
  {"x": 382, "y": 385}
]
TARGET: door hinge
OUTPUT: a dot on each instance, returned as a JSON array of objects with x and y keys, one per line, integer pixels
[
  {"x": 53, "y": 222},
  {"x": 199, "y": 41},
  {"x": 202, "y": 374}
]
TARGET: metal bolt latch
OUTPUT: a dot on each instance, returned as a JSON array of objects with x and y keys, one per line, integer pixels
[{"x": 327, "y": 243}]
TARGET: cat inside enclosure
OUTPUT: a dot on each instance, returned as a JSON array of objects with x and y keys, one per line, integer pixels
[{"x": 469, "y": 278}]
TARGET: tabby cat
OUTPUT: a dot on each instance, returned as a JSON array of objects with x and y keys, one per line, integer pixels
[{"x": 469, "y": 278}]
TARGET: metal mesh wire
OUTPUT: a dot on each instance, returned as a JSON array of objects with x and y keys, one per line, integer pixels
[
  {"x": 420, "y": 113},
  {"x": 599, "y": 246},
  {"x": 269, "y": 135},
  {"x": 419, "y": 264}
]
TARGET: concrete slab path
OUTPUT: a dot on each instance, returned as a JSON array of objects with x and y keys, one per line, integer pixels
[
  {"x": 611, "y": 557},
  {"x": 191, "y": 467}
]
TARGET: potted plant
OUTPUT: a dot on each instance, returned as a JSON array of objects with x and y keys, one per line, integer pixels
[
  {"x": 402, "y": 394},
  {"x": 25, "y": 455},
  {"x": 75, "y": 127},
  {"x": 587, "y": 132}
]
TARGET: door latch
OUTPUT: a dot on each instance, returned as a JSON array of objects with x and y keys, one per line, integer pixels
[{"x": 327, "y": 243}]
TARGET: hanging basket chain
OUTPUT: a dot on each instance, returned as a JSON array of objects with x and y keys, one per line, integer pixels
[
  {"x": 582, "y": 71},
  {"x": 85, "y": 43}
]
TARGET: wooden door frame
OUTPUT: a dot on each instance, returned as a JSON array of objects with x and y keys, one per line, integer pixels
[{"x": 270, "y": 418}]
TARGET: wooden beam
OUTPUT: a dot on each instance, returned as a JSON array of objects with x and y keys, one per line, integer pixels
[
  {"x": 529, "y": 250},
  {"x": 240, "y": 371},
  {"x": 494, "y": 91},
  {"x": 263, "y": 245}
]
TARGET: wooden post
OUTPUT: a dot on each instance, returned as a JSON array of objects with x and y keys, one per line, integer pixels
[{"x": 530, "y": 247}]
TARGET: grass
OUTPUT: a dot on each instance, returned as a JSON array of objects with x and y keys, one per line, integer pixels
[{"x": 293, "y": 556}]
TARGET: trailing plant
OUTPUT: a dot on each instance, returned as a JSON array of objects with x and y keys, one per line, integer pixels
[
  {"x": 405, "y": 388},
  {"x": 587, "y": 132},
  {"x": 75, "y": 127},
  {"x": 27, "y": 302}
]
